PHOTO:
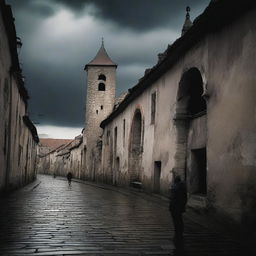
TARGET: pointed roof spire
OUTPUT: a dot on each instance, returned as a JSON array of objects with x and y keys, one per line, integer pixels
[
  {"x": 188, "y": 23},
  {"x": 101, "y": 58}
]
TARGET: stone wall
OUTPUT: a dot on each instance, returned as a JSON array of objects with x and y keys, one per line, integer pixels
[
  {"x": 18, "y": 136},
  {"x": 99, "y": 104}
]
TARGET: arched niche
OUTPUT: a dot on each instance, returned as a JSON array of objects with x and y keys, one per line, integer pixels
[
  {"x": 135, "y": 146},
  {"x": 191, "y": 126},
  {"x": 102, "y": 77}
]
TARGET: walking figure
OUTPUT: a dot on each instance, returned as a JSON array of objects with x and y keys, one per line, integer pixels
[
  {"x": 69, "y": 177},
  {"x": 178, "y": 200}
]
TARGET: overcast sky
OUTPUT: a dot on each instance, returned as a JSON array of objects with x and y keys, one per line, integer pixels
[{"x": 61, "y": 36}]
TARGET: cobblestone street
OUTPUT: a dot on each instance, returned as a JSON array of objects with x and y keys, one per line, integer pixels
[{"x": 55, "y": 219}]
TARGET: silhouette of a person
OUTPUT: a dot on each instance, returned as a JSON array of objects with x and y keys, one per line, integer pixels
[
  {"x": 178, "y": 200},
  {"x": 69, "y": 177}
]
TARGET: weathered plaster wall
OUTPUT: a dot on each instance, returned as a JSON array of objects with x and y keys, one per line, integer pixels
[
  {"x": 226, "y": 62},
  {"x": 231, "y": 118},
  {"x": 5, "y": 64},
  {"x": 17, "y": 138}
]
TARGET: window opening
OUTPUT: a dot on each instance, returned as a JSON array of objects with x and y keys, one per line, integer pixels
[
  {"x": 115, "y": 141},
  {"x": 153, "y": 107},
  {"x": 108, "y": 137},
  {"x": 124, "y": 132},
  {"x": 198, "y": 181},
  {"x": 102, "y": 77},
  {"x": 102, "y": 87},
  {"x": 157, "y": 175}
]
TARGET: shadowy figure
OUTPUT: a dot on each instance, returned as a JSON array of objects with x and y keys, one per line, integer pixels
[
  {"x": 54, "y": 175},
  {"x": 69, "y": 177},
  {"x": 178, "y": 200}
]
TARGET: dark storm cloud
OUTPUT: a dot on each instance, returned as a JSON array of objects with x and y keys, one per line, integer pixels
[
  {"x": 61, "y": 36},
  {"x": 34, "y": 7},
  {"x": 137, "y": 14},
  {"x": 134, "y": 14},
  {"x": 41, "y": 9},
  {"x": 59, "y": 98}
]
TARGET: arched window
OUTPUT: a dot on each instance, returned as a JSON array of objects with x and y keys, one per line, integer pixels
[
  {"x": 191, "y": 125},
  {"x": 136, "y": 147},
  {"x": 102, "y": 77},
  {"x": 102, "y": 87},
  {"x": 190, "y": 93},
  {"x": 136, "y": 132}
]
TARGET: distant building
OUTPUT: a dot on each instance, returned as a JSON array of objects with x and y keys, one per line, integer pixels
[
  {"x": 59, "y": 156},
  {"x": 18, "y": 135}
]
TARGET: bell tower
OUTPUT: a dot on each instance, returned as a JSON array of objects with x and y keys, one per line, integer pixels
[{"x": 101, "y": 87}]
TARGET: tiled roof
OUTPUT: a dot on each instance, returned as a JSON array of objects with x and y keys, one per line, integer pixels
[
  {"x": 204, "y": 24},
  {"x": 101, "y": 59},
  {"x": 53, "y": 143}
]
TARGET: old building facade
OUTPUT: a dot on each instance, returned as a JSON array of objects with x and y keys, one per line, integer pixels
[
  {"x": 60, "y": 156},
  {"x": 18, "y": 135},
  {"x": 192, "y": 114}
]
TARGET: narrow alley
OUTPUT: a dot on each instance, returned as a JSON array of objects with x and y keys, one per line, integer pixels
[{"x": 50, "y": 218}]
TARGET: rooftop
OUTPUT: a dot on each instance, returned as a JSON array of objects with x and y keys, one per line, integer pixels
[
  {"x": 204, "y": 24},
  {"x": 101, "y": 58},
  {"x": 53, "y": 143}
]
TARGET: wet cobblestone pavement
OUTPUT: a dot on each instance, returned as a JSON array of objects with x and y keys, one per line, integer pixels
[{"x": 55, "y": 219}]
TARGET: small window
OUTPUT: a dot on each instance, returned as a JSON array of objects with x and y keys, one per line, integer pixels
[
  {"x": 123, "y": 132},
  {"x": 108, "y": 138},
  {"x": 97, "y": 112},
  {"x": 20, "y": 153},
  {"x": 101, "y": 107},
  {"x": 102, "y": 87},
  {"x": 102, "y": 77},
  {"x": 115, "y": 140},
  {"x": 153, "y": 107}
]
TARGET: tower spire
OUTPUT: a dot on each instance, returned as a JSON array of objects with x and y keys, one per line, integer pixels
[
  {"x": 188, "y": 23},
  {"x": 101, "y": 58}
]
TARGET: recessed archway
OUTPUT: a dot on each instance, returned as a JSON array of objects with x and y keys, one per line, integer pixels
[
  {"x": 190, "y": 99},
  {"x": 190, "y": 121},
  {"x": 135, "y": 147}
]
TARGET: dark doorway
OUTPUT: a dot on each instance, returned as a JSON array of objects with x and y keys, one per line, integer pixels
[
  {"x": 102, "y": 87},
  {"x": 198, "y": 181},
  {"x": 190, "y": 95},
  {"x": 157, "y": 175},
  {"x": 190, "y": 122},
  {"x": 135, "y": 148},
  {"x": 117, "y": 170}
]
